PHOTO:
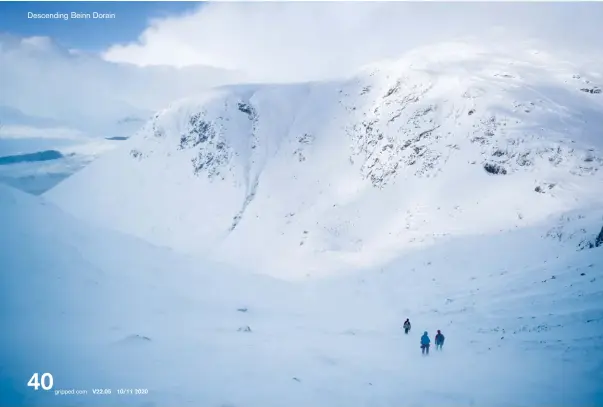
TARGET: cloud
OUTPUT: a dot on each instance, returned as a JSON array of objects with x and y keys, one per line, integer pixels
[
  {"x": 45, "y": 85},
  {"x": 279, "y": 41}
]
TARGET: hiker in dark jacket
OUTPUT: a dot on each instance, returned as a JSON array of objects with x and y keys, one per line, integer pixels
[
  {"x": 406, "y": 326},
  {"x": 439, "y": 340}
]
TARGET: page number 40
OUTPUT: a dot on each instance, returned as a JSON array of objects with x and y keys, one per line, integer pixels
[{"x": 45, "y": 381}]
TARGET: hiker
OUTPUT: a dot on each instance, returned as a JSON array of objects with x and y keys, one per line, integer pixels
[
  {"x": 406, "y": 326},
  {"x": 439, "y": 340},
  {"x": 425, "y": 343}
]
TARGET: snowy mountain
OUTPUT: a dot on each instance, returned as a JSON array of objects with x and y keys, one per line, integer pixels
[
  {"x": 448, "y": 142},
  {"x": 454, "y": 186}
]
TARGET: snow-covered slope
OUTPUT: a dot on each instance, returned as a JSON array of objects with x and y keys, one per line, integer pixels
[
  {"x": 84, "y": 304},
  {"x": 522, "y": 316},
  {"x": 311, "y": 178}
]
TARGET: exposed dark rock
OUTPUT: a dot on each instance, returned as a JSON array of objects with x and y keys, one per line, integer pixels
[
  {"x": 599, "y": 239},
  {"x": 200, "y": 131},
  {"x": 393, "y": 90},
  {"x": 594, "y": 90},
  {"x": 244, "y": 329},
  {"x": 304, "y": 139},
  {"x": 495, "y": 169},
  {"x": 245, "y": 108},
  {"x": 136, "y": 154},
  {"x": 523, "y": 160},
  {"x": 235, "y": 221}
]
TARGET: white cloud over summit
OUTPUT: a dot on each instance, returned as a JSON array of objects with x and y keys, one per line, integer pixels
[{"x": 309, "y": 40}]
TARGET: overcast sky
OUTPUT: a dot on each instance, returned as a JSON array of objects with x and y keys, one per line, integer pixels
[
  {"x": 309, "y": 40},
  {"x": 275, "y": 41}
]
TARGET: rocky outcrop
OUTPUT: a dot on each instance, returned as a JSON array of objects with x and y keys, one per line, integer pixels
[{"x": 599, "y": 239}]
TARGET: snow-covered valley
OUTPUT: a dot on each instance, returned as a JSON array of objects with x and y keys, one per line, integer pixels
[
  {"x": 261, "y": 245},
  {"x": 98, "y": 309}
]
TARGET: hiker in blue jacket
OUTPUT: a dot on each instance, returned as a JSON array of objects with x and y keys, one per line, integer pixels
[
  {"x": 439, "y": 340},
  {"x": 425, "y": 341}
]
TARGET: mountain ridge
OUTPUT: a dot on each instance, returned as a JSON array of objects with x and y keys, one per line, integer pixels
[{"x": 338, "y": 173}]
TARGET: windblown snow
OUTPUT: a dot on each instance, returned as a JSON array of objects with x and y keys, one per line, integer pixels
[{"x": 261, "y": 245}]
